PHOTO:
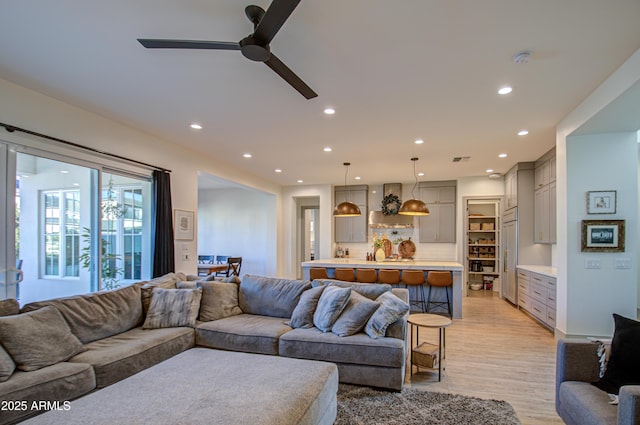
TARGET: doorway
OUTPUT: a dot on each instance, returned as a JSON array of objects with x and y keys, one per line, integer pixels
[{"x": 308, "y": 230}]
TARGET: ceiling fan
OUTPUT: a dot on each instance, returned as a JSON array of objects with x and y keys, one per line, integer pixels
[{"x": 254, "y": 46}]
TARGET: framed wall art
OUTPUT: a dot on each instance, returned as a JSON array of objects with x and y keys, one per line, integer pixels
[
  {"x": 183, "y": 225},
  {"x": 601, "y": 202},
  {"x": 602, "y": 235}
]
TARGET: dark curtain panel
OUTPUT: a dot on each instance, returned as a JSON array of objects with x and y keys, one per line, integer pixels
[{"x": 163, "y": 252}]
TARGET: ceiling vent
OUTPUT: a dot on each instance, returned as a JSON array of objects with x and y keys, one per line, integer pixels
[{"x": 461, "y": 158}]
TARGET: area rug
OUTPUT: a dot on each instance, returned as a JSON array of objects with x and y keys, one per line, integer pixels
[{"x": 366, "y": 406}]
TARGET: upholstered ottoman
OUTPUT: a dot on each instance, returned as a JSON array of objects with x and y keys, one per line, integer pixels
[{"x": 206, "y": 386}]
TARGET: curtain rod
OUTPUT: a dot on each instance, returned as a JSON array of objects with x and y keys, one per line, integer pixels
[{"x": 12, "y": 128}]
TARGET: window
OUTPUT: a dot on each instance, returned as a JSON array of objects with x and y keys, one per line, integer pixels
[{"x": 61, "y": 233}]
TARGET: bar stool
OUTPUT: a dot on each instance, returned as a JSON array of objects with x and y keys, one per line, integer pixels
[
  {"x": 439, "y": 280},
  {"x": 392, "y": 277},
  {"x": 366, "y": 275},
  {"x": 415, "y": 278},
  {"x": 345, "y": 274},
  {"x": 318, "y": 273}
]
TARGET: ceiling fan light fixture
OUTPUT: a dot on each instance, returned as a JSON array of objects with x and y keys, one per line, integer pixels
[
  {"x": 346, "y": 208},
  {"x": 414, "y": 206}
]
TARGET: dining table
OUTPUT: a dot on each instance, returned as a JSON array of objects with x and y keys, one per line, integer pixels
[{"x": 211, "y": 268}]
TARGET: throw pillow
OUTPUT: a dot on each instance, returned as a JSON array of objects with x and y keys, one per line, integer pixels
[
  {"x": 331, "y": 303},
  {"x": 187, "y": 284},
  {"x": 7, "y": 365},
  {"x": 173, "y": 308},
  {"x": 391, "y": 309},
  {"x": 623, "y": 367},
  {"x": 355, "y": 315},
  {"x": 38, "y": 338},
  {"x": 9, "y": 307},
  {"x": 302, "y": 316},
  {"x": 219, "y": 300}
]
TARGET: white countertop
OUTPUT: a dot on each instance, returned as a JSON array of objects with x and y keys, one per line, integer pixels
[
  {"x": 544, "y": 270},
  {"x": 412, "y": 264}
]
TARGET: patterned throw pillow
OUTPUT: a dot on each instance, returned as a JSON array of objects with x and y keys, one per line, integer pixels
[
  {"x": 38, "y": 338},
  {"x": 391, "y": 309},
  {"x": 355, "y": 315},
  {"x": 302, "y": 316},
  {"x": 173, "y": 308}
]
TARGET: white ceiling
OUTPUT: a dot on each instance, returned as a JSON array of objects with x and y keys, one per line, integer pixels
[{"x": 394, "y": 70}]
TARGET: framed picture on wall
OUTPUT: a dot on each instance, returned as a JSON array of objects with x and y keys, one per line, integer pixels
[
  {"x": 603, "y": 235},
  {"x": 601, "y": 202},
  {"x": 183, "y": 225}
]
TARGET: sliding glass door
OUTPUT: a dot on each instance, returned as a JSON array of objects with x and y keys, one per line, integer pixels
[{"x": 70, "y": 227}]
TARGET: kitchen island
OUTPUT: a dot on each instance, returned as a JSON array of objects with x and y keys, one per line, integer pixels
[{"x": 456, "y": 270}]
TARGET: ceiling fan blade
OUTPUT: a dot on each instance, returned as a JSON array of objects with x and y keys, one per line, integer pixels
[
  {"x": 152, "y": 43},
  {"x": 273, "y": 19},
  {"x": 288, "y": 75}
]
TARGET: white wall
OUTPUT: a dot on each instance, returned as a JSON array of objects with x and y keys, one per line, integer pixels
[
  {"x": 25, "y": 108},
  {"x": 575, "y": 300},
  {"x": 238, "y": 223}
]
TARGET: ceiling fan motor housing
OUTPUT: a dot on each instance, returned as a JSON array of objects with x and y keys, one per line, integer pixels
[{"x": 252, "y": 49}]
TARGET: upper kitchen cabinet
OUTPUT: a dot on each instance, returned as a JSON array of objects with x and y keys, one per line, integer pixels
[
  {"x": 545, "y": 202},
  {"x": 518, "y": 183},
  {"x": 352, "y": 229},
  {"x": 440, "y": 225}
]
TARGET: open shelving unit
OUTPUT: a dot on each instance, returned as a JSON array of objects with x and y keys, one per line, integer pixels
[{"x": 482, "y": 244}]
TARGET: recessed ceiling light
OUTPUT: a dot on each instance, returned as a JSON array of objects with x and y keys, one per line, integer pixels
[
  {"x": 505, "y": 90},
  {"x": 327, "y": 149},
  {"x": 300, "y": 181},
  {"x": 489, "y": 170},
  {"x": 374, "y": 191},
  {"x": 420, "y": 174},
  {"x": 502, "y": 155},
  {"x": 277, "y": 170},
  {"x": 523, "y": 132},
  {"x": 419, "y": 141},
  {"x": 329, "y": 111},
  {"x": 76, "y": 184},
  {"x": 357, "y": 177},
  {"x": 494, "y": 176},
  {"x": 64, "y": 171},
  {"x": 247, "y": 155},
  {"x": 196, "y": 126}
]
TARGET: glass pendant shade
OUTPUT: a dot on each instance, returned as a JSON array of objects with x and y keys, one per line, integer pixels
[
  {"x": 414, "y": 206},
  {"x": 346, "y": 208}
]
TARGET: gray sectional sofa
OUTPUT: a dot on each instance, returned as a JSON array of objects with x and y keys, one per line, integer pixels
[
  {"x": 118, "y": 336},
  {"x": 578, "y": 402}
]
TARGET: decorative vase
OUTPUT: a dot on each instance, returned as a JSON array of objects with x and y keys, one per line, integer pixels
[{"x": 380, "y": 254}]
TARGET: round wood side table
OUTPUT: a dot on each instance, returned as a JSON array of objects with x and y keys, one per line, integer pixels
[{"x": 426, "y": 320}]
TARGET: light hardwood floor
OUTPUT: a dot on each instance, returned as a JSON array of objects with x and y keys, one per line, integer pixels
[{"x": 496, "y": 351}]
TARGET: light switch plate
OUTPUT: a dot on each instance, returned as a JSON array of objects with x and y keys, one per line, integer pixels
[{"x": 592, "y": 264}]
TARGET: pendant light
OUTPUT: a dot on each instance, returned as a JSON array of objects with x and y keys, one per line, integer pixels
[
  {"x": 346, "y": 208},
  {"x": 414, "y": 206}
]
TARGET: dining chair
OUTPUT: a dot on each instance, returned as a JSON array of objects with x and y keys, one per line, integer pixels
[{"x": 234, "y": 264}]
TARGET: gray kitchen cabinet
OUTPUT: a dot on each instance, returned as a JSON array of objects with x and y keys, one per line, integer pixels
[
  {"x": 537, "y": 296},
  {"x": 352, "y": 229},
  {"x": 440, "y": 225},
  {"x": 545, "y": 202},
  {"x": 542, "y": 219}
]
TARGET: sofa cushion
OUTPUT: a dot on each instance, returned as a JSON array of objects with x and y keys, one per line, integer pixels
[
  {"x": 302, "y": 316},
  {"x": 38, "y": 338},
  {"x": 586, "y": 404},
  {"x": 624, "y": 364},
  {"x": 391, "y": 309},
  {"x": 219, "y": 300},
  {"x": 331, "y": 303},
  {"x": 173, "y": 308},
  {"x": 59, "y": 382},
  {"x": 244, "y": 332},
  {"x": 369, "y": 290},
  {"x": 100, "y": 314},
  {"x": 269, "y": 296},
  {"x": 9, "y": 307},
  {"x": 314, "y": 344},
  {"x": 167, "y": 281},
  {"x": 7, "y": 365},
  {"x": 355, "y": 315},
  {"x": 120, "y": 356}
]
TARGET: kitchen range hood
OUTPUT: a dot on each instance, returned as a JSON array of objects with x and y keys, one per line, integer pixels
[{"x": 378, "y": 220}]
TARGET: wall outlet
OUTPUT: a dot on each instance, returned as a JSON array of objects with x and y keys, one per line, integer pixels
[
  {"x": 623, "y": 263},
  {"x": 592, "y": 264}
]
